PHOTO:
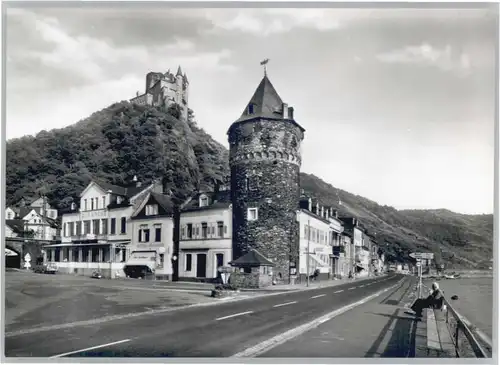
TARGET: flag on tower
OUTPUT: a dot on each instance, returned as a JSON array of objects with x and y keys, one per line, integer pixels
[{"x": 265, "y": 61}]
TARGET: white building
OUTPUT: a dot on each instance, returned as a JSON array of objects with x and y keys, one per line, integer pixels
[
  {"x": 205, "y": 235},
  {"x": 96, "y": 236},
  {"x": 152, "y": 230},
  {"x": 315, "y": 233},
  {"x": 39, "y": 219}
]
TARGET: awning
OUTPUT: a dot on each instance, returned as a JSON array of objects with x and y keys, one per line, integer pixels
[
  {"x": 142, "y": 258},
  {"x": 320, "y": 263}
]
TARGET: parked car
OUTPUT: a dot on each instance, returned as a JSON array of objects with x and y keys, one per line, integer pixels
[
  {"x": 96, "y": 275},
  {"x": 50, "y": 268}
]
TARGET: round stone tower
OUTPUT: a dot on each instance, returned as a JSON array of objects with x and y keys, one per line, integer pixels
[{"x": 264, "y": 157}]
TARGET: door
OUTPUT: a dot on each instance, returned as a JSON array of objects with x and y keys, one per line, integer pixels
[
  {"x": 219, "y": 261},
  {"x": 201, "y": 265}
]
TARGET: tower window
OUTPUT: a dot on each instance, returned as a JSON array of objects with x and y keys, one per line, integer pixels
[
  {"x": 253, "y": 214},
  {"x": 250, "y": 108}
]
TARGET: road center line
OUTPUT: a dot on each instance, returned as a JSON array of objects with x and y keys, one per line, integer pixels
[
  {"x": 89, "y": 348},
  {"x": 233, "y": 315},
  {"x": 282, "y": 304},
  {"x": 338, "y": 291},
  {"x": 317, "y": 296}
]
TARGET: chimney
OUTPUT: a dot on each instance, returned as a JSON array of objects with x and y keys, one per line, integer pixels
[
  {"x": 73, "y": 206},
  {"x": 322, "y": 212},
  {"x": 309, "y": 208},
  {"x": 285, "y": 111},
  {"x": 290, "y": 113}
]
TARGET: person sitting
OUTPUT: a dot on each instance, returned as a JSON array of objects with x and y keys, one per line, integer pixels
[{"x": 434, "y": 300}]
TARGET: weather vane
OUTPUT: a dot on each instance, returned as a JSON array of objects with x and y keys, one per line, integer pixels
[{"x": 264, "y": 63}]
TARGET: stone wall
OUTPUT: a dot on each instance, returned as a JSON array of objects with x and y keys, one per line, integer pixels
[
  {"x": 250, "y": 280},
  {"x": 265, "y": 164}
]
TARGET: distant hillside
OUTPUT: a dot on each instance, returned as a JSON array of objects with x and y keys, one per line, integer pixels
[{"x": 124, "y": 140}]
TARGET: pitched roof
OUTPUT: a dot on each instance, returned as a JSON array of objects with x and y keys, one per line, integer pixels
[
  {"x": 164, "y": 201},
  {"x": 218, "y": 200},
  {"x": 179, "y": 71},
  {"x": 252, "y": 258},
  {"x": 266, "y": 104},
  {"x": 129, "y": 192},
  {"x": 265, "y": 100},
  {"x": 17, "y": 225}
]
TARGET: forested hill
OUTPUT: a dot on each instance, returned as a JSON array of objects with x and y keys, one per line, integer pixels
[{"x": 124, "y": 140}]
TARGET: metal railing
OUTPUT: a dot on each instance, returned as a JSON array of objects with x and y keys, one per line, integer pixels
[{"x": 467, "y": 339}]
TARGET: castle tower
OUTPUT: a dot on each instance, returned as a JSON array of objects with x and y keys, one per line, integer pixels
[{"x": 265, "y": 164}]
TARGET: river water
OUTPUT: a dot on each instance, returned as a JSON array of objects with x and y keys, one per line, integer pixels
[{"x": 475, "y": 300}]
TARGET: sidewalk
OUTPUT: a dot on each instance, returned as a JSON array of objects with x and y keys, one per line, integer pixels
[
  {"x": 312, "y": 284},
  {"x": 379, "y": 328}
]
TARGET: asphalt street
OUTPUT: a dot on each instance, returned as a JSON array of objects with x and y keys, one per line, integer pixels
[{"x": 212, "y": 331}]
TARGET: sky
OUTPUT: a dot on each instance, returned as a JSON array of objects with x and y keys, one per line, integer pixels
[{"x": 398, "y": 104}]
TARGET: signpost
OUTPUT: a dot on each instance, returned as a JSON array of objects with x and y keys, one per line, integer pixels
[
  {"x": 419, "y": 256},
  {"x": 225, "y": 273}
]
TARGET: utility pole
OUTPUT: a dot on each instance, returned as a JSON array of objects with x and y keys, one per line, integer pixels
[{"x": 308, "y": 245}]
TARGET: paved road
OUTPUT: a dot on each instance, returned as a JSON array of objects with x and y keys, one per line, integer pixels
[
  {"x": 378, "y": 328},
  {"x": 215, "y": 331}
]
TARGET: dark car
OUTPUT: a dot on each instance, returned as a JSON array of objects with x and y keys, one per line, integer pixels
[
  {"x": 49, "y": 268},
  {"x": 96, "y": 275}
]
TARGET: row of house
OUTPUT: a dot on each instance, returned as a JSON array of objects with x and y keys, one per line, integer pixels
[{"x": 129, "y": 231}]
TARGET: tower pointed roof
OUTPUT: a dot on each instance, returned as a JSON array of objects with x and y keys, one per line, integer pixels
[
  {"x": 265, "y": 100},
  {"x": 179, "y": 71}
]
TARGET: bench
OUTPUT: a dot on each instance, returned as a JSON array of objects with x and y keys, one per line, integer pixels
[{"x": 439, "y": 339}]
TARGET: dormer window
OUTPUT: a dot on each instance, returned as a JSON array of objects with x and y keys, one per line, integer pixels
[
  {"x": 152, "y": 209},
  {"x": 118, "y": 199},
  {"x": 203, "y": 201},
  {"x": 250, "y": 108}
]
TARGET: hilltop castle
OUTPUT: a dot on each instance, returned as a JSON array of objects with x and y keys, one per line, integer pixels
[{"x": 163, "y": 89}]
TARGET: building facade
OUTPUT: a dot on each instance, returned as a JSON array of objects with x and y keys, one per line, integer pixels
[
  {"x": 314, "y": 234},
  {"x": 151, "y": 246},
  {"x": 206, "y": 235},
  {"x": 96, "y": 236},
  {"x": 164, "y": 89},
  {"x": 265, "y": 161}
]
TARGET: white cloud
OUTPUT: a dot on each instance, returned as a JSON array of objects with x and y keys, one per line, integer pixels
[
  {"x": 426, "y": 54},
  {"x": 263, "y": 22}
]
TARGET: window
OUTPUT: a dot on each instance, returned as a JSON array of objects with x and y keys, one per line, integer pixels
[
  {"x": 92, "y": 204},
  {"x": 152, "y": 209},
  {"x": 96, "y": 203},
  {"x": 64, "y": 230},
  {"x": 71, "y": 228},
  {"x": 220, "y": 229},
  {"x": 225, "y": 229},
  {"x": 78, "y": 228},
  {"x": 204, "y": 230},
  {"x": 188, "y": 262},
  {"x": 203, "y": 201},
  {"x": 113, "y": 226},
  {"x": 103, "y": 202},
  {"x": 9, "y": 215},
  {"x": 250, "y": 108},
  {"x": 104, "y": 226},
  {"x": 197, "y": 231},
  {"x": 95, "y": 226},
  {"x": 146, "y": 235},
  {"x": 189, "y": 230},
  {"x": 84, "y": 204},
  {"x": 86, "y": 226},
  {"x": 247, "y": 183},
  {"x": 157, "y": 234},
  {"x": 253, "y": 214},
  {"x": 124, "y": 225}
]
